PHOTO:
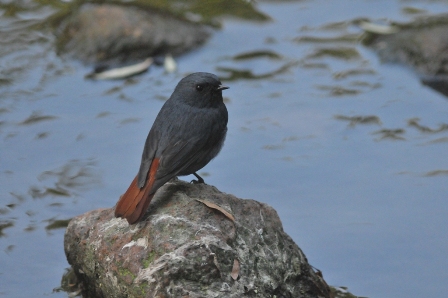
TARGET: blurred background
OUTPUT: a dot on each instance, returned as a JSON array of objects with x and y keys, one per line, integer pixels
[{"x": 350, "y": 149}]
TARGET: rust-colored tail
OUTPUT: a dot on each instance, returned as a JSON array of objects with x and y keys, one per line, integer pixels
[{"x": 135, "y": 201}]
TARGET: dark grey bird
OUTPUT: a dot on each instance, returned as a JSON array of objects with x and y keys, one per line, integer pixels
[{"x": 188, "y": 133}]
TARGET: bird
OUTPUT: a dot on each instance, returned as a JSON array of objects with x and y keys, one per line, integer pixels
[{"x": 188, "y": 132}]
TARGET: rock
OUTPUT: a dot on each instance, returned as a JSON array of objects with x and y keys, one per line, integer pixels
[
  {"x": 116, "y": 34},
  {"x": 183, "y": 248},
  {"x": 422, "y": 44}
]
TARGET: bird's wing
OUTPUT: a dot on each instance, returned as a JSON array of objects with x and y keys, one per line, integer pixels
[
  {"x": 179, "y": 157},
  {"x": 148, "y": 155}
]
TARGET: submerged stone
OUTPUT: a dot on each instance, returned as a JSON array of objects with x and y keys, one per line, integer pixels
[
  {"x": 108, "y": 33},
  {"x": 422, "y": 44}
]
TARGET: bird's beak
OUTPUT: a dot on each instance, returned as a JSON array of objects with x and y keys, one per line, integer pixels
[{"x": 222, "y": 87}]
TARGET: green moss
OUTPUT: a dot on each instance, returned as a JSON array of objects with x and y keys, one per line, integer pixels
[
  {"x": 125, "y": 272},
  {"x": 139, "y": 291},
  {"x": 89, "y": 260},
  {"x": 149, "y": 259}
]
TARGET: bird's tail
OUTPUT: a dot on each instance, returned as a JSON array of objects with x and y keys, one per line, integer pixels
[{"x": 135, "y": 201}]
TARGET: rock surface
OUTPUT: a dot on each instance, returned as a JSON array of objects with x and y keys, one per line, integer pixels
[
  {"x": 422, "y": 44},
  {"x": 184, "y": 248},
  {"x": 116, "y": 34}
]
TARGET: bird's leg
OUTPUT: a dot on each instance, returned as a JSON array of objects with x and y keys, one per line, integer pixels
[{"x": 200, "y": 180}]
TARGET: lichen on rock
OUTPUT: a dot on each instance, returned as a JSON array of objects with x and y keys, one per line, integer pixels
[{"x": 183, "y": 248}]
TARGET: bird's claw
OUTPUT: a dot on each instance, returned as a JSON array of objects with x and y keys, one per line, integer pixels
[{"x": 199, "y": 181}]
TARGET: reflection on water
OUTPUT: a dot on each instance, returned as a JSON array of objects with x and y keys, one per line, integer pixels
[
  {"x": 69, "y": 283},
  {"x": 54, "y": 224},
  {"x": 344, "y": 53},
  {"x": 438, "y": 140},
  {"x": 66, "y": 182},
  {"x": 353, "y": 72},
  {"x": 390, "y": 134},
  {"x": 350, "y": 152},
  {"x": 436, "y": 173},
  {"x": 414, "y": 122},
  {"x": 354, "y": 120},
  {"x": 75, "y": 175},
  {"x": 4, "y": 225},
  {"x": 36, "y": 117},
  {"x": 338, "y": 90},
  {"x": 257, "y": 54},
  {"x": 350, "y": 38},
  {"x": 238, "y": 74}
]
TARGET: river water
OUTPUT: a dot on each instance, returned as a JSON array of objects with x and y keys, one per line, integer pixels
[{"x": 319, "y": 129}]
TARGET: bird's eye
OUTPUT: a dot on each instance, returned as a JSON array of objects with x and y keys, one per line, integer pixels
[{"x": 199, "y": 87}]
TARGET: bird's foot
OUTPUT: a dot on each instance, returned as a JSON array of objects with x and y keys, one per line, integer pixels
[{"x": 199, "y": 181}]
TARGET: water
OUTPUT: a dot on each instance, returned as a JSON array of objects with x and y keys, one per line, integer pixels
[{"x": 365, "y": 201}]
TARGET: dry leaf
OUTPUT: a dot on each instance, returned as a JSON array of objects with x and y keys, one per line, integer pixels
[
  {"x": 235, "y": 269},
  {"x": 216, "y": 207}
]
